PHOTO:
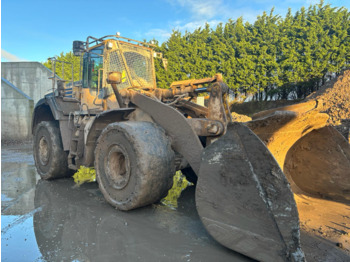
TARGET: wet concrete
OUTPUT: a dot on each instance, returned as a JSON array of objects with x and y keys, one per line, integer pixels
[{"x": 57, "y": 221}]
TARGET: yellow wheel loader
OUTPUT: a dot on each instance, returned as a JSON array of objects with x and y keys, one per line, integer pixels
[{"x": 137, "y": 136}]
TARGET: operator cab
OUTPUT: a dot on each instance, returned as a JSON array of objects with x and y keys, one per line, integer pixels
[{"x": 133, "y": 61}]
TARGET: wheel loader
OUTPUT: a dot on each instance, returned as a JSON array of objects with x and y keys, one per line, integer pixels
[{"x": 137, "y": 136}]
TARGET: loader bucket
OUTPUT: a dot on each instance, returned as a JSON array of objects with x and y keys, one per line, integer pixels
[
  {"x": 244, "y": 199},
  {"x": 314, "y": 158}
]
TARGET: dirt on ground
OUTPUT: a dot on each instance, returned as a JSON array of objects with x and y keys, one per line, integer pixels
[
  {"x": 240, "y": 118},
  {"x": 326, "y": 219},
  {"x": 335, "y": 97},
  {"x": 252, "y": 107},
  {"x": 58, "y": 221}
]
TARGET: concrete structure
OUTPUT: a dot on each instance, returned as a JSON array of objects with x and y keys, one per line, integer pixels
[
  {"x": 32, "y": 78},
  {"x": 16, "y": 112},
  {"x": 22, "y": 85}
]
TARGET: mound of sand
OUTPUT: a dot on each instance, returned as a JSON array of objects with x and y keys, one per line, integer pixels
[
  {"x": 240, "y": 118},
  {"x": 335, "y": 96}
]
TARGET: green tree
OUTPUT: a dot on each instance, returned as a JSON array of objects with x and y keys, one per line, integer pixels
[
  {"x": 273, "y": 58},
  {"x": 66, "y": 72},
  {"x": 266, "y": 36}
]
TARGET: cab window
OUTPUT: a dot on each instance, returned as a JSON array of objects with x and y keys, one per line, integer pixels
[{"x": 92, "y": 63}]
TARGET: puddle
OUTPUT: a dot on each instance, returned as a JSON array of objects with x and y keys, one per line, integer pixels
[
  {"x": 77, "y": 224},
  {"x": 18, "y": 243},
  {"x": 57, "y": 221}
]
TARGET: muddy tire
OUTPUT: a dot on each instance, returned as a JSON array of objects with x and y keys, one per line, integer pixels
[
  {"x": 134, "y": 164},
  {"x": 49, "y": 156}
]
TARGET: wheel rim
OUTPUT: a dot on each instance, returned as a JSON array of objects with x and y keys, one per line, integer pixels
[
  {"x": 118, "y": 167},
  {"x": 44, "y": 152}
]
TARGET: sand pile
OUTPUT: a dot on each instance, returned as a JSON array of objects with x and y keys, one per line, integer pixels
[
  {"x": 240, "y": 118},
  {"x": 335, "y": 96}
]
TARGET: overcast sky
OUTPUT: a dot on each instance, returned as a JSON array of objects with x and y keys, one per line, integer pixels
[{"x": 33, "y": 30}]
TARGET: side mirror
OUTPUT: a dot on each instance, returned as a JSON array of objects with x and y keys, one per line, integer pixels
[
  {"x": 114, "y": 77},
  {"x": 78, "y": 48}
]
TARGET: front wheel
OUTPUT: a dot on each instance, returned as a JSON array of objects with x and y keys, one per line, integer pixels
[
  {"x": 49, "y": 156},
  {"x": 134, "y": 164}
]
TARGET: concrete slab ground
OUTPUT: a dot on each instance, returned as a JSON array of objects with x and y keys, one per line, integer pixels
[{"x": 58, "y": 221}]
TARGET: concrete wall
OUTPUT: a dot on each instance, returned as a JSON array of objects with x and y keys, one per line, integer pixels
[
  {"x": 29, "y": 77},
  {"x": 16, "y": 112}
]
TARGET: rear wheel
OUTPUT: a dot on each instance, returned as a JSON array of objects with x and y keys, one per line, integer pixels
[
  {"x": 50, "y": 158},
  {"x": 134, "y": 164}
]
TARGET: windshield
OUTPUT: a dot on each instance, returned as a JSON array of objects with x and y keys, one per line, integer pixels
[
  {"x": 139, "y": 62},
  {"x": 139, "y": 68},
  {"x": 135, "y": 64}
]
